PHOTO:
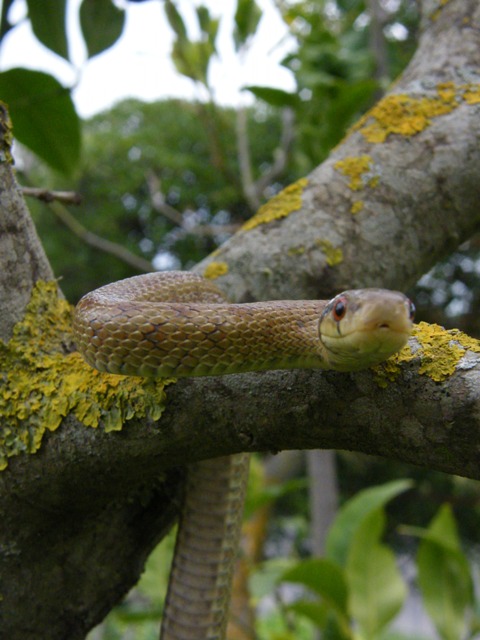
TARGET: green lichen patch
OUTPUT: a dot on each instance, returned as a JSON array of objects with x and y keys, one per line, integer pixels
[
  {"x": 43, "y": 380},
  {"x": 215, "y": 270},
  {"x": 440, "y": 352},
  {"x": 405, "y": 115},
  {"x": 333, "y": 255},
  {"x": 280, "y": 206}
]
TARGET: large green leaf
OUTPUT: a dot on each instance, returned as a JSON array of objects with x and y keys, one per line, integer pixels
[
  {"x": 175, "y": 19},
  {"x": 354, "y": 512},
  {"x": 323, "y": 577},
  {"x": 444, "y": 576},
  {"x": 274, "y": 97},
  {"x": 48, "y": 24},
  {"x": 44, "y": 118},
  {"x": 102, "y": 24},
  {"x": 247, "y": 18},
  {"x": 377, "y": 590}
]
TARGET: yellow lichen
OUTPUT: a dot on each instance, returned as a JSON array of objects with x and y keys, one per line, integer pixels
[
  {"x": 333, "y": 255},
  {"x": 472, "y": 94},
  {"x": 280, "y": 206},
  {"x": 6, "y": 135},
  {"x": 356, "y": 207},
  {"x": 440, "y": 352},
  {"x": 296, "y": 251},
  {"x": 354, "y": 167},
  {"x": 405, "y": 115},
  {"x": 436, "y": 12},
  {"x": 215, "y": 270},
  {"x": 43, "y": 381}
]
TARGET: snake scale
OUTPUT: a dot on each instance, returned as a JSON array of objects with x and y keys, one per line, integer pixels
[{"x": 179, "y": 324}]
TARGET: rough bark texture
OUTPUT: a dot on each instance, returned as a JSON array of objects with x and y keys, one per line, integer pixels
[
  {"x": 23, "y": 260},
  {"x": 80, "y": 516}
]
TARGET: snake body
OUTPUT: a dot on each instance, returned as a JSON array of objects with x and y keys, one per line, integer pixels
[{"x": 179, "y": 324}]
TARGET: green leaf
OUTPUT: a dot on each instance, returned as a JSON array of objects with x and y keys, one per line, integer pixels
[
  {"x": 247, "y": 18},
  {"x": 191, "y": 59},
  {"x": 175, "y": 20},
  {"x": 44, "y": 118},
  {"x": 48, "y": 24},
  {"x": 274, "y": 97},
  {"x": 354, "y": 512},
  {"x": 321, "y": 615},
  {"x": 444, "y": 576},
  {"x": 5, "y": 25},
  {"x": 314, "y": 611},
  {"x": 102, "y": 24},
  {"x": 377, "y": 590},
  {"x": 323, "y": 577},
  {"x": 208, "y": 25}
]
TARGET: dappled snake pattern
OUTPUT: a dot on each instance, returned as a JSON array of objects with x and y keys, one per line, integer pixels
[{"x": 178, "y": 324}]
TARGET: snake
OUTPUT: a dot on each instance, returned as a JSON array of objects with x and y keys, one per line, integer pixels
[{"x": 179, "y": 324}]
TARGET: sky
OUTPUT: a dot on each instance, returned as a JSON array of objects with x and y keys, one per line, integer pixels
[{"x": 139, "y": 65}]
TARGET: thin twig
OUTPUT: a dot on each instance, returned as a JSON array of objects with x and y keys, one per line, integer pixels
[
  {"x": 66, "y": 197},
  {"x": 254, "y": 190},
  {"x": 97, "y": 242},
  {"x": 157, "y": 200},
  {"x": 281, "y": 153},
  {"x": 244, "y": 160}
]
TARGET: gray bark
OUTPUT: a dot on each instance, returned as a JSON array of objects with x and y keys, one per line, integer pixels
[{"x": 79, "y": 518}]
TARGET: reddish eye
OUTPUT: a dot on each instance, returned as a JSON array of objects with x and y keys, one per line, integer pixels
[
  {"x": 411, "y": 310},
  {"x": 339, "y": 309}
]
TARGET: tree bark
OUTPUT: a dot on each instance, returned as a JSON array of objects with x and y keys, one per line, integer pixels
[{"x": 79, "y": 518}]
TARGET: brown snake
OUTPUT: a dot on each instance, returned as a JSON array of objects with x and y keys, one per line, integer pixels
[{"x": 178, "y": 324}]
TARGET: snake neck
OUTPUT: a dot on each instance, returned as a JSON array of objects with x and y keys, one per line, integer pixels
[{"x": 196, "y": 339}]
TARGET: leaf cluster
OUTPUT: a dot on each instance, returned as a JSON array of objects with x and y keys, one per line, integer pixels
[
  {"x": 41, "y": 108},
  {"x": 356, "y": 591}
]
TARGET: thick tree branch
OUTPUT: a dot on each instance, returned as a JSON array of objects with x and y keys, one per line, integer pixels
[{"x": 399, "y": 193}]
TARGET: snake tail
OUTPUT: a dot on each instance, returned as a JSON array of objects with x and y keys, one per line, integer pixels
[{"x": 199, "y": 589}]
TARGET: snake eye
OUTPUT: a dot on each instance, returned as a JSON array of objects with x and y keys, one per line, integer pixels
[
  {"x": 339, "y": 309},
  {"x": 411, "y": 310}
]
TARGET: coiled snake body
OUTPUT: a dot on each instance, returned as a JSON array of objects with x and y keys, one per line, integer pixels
[{"x": 178, "y": 324}]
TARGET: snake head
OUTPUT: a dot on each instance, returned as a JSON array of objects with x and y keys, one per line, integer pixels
[{"x": 363, "y": 327}]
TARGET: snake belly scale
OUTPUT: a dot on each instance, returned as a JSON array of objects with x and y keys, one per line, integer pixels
[{"x": 179, "y": 324}]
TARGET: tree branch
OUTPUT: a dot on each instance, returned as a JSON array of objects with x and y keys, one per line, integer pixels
[{"x": 398, "y": 194}]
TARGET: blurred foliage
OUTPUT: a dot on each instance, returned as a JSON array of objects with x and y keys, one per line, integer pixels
[{"x": 180, "y": 153}]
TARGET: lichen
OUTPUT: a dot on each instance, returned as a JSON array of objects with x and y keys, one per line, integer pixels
[
  {"x": 406, "y": 115},
  {"x": 6, "y": 135},
  {"x": 440, "y": 352},
  {"x": 215, "y": 270},
  {"x": 357, "y": 206},
  {"x": 354, "y": 167},
  {"x": 437, "y": 11},
  {"x": 43, "y": 380},
  {"x": 280, "y": 206},
  {"x": 296, "y": 251},
  {"x": 333, "y": 255}
]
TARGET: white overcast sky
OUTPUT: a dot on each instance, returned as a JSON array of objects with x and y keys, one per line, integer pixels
[{"x": 138, "y": 65}]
